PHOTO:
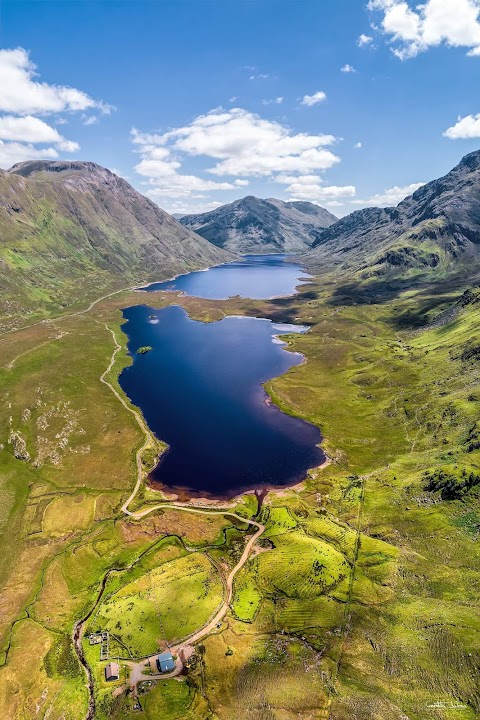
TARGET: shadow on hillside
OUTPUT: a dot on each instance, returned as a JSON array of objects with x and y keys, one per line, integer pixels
[
  {"x": 375, "y": 292},
  {"x": 430, "y": 295}
]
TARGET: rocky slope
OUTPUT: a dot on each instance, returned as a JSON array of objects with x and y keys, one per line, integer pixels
[
  {"x": 71, "y": 231},
  {"x": 438, "y": 228},
  {"x": 253, "y": 225}
]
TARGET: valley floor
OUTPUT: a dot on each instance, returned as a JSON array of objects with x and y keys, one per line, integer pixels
[{"x": 359, "y": 599}]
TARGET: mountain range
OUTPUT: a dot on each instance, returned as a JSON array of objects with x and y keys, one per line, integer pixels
[
  {"x": 253, "y": 225},
  {"x": 70, "y": 231},
  {"x": 437, "y": 228}
]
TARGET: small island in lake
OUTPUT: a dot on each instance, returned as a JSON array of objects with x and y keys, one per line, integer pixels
[{"x": 144, "y": 349}]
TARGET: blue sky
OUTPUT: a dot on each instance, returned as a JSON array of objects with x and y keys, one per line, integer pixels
[{"x": 233, "y": 97}]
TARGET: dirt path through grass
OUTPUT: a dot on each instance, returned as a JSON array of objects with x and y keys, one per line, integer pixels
[
  {"x": 150, "y": 441},
  {"x": 68, "y": 315},
  {"x": 137, "y": 673}
]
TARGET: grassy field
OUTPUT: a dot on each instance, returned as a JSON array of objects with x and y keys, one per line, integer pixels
[
  {"x": 301, "y": 566},
  {"x": 362, "y": 601},
  {"x": 165, "y": 699},
  {"x": 247, "y": 597},
  {"x": 165, "y": 604}
]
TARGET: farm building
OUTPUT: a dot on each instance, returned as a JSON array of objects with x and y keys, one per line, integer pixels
[
  {"x": 165, "y": 662},
  {"x": 112, "y": 671}
]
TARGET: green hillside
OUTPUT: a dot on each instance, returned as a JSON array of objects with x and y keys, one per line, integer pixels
[{"x": 71, "y": 232}]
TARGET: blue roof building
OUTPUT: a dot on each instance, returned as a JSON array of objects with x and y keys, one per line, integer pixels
[{"x": 165, "y": 662}]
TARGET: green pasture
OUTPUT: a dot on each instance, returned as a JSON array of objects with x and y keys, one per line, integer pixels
[
  {"x": 166, "y": 603},
  {"x": 371, "y": 563},
  {"x": 246, "y": 597},
  {"x": 300, "y": 566}
]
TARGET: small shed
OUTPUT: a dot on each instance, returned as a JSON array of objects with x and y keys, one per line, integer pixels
[
  {"x": 165, "y": 662},
  {"x": 112, "y": 671}
]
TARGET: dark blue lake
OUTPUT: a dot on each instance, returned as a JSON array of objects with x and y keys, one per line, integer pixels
[
  {"x": 200, "y": 391},
  {"x": 253, "y": 276}
]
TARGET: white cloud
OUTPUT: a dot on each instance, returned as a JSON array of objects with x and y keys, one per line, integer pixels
[
  {"x": 160, "y": 168},
  {"x": 28, "y": 129},
  {"x": 68, "y": 146},
  {"x": 180, "y": 207},
  {"x": 312, "y": 187},
  {"x": 140, "y": 138},
  {"x": 348, "y": 69},
  {"x": 301, "y": 179},
  {"x": 15, "y": 152},
  {"x": 466, "y": 127},
  {"x": 256, "y": 164},
  {"x": 156, "y": 169},
  {"x": 245, "y": 144},
  {"x": 389, "y": 197},
  {"x": 90, "y": 120},
  {"x": 275, "y": 101},
  {"x": 320, "y": 193},
  {"x": 357, "y": 146},
  {"x": 413, "y": 30},
  {"x": 364, "y": 40},
  {"x": 21, "y": 94},
  {"x": 22, "y": 133},
  {"x": 314, "y": 99},
  {"x": 401, "y": 22},
  {"x": 177, "y": 186}
]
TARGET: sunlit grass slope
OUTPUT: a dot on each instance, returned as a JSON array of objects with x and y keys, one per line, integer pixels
[{"x": 362, "y": 598}]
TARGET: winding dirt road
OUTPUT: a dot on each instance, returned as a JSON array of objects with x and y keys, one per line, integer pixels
[
  {"x": 137, "y": 668},
  {"x": 150, "y": 441},
  {"x": 67, "y": 315},
  {"x": 137, "y": 673}
]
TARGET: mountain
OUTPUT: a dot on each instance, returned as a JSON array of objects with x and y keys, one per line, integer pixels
[
  {"x": 253, "y": 225},
  {"x": 437, "y": 228},
  {"x": 71, "y": 231}
]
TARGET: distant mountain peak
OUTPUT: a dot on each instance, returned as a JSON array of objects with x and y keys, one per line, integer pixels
[{"x": 259, "y": 225}]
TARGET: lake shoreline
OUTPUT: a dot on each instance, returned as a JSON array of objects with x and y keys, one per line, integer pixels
[
  {"x": 223, "y": 460},
  {"x": 304, "y": 279},
  {"x": 202, "y": 499}
]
